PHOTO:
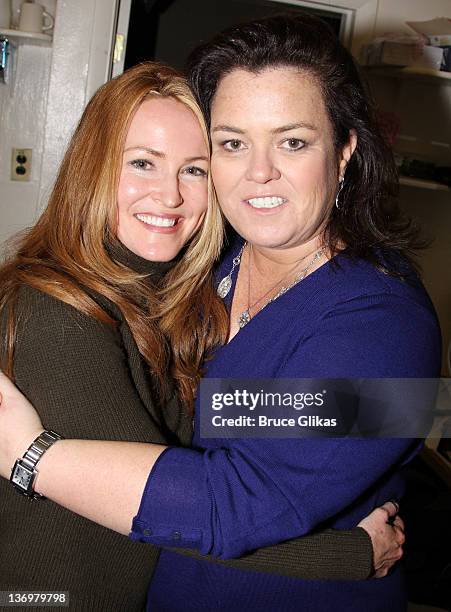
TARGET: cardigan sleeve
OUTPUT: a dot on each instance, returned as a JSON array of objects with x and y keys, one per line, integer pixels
[{"x": 251, "y": 492}]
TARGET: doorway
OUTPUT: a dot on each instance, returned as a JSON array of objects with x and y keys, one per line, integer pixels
[{"x": 168, "y": 30}]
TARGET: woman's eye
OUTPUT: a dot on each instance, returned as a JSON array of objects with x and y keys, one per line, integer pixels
[
  {"x": 141, "y": 164},
  {"x": 195, "y": 171},
  {"x": 293, "y": 144},
  {"x": 232, "y": 145}
]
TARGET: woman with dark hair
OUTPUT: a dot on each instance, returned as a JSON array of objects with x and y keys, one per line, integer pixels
[
  {"x": 364, "y": 220},
  {"x": 317, "y": 285}
]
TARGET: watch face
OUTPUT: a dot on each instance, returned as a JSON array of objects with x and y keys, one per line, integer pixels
[{"x": 21, "y": 477}]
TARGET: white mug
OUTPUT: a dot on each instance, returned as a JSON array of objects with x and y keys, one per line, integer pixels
[
  {"x": 32, "y": 18},
  {"x": 5, "y": 14}
]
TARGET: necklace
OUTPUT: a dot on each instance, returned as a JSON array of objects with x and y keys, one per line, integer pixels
[
  {"x": 245, "y": 316},
  {"x": 225, "y": 284}
]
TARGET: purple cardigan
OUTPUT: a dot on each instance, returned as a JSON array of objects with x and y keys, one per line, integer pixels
[{"x": 229, "y": 496}]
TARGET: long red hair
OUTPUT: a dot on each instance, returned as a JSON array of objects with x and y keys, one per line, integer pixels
[{"x": 64, "y": 254}]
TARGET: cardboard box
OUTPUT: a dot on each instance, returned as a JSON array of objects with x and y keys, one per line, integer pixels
[
  {"x": 383, "y": 52},
  {"x": 402, "y": 52}
]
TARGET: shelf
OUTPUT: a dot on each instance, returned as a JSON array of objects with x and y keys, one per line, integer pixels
[
  {"x": 421, "y": 184},
  {"x": 420, "y": 74},
  {"x": 31, "y": 38}
]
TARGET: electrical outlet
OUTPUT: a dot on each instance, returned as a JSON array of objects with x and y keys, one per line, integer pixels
[{"x": 21, "y": 164}]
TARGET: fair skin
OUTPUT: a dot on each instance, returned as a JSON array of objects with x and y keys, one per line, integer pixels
[
  {"x": 162, "y": 194},
  {"x": 276, "y": 173},
  {"x": 66, "y": 472},
  {"x": 271, "y": 137}
]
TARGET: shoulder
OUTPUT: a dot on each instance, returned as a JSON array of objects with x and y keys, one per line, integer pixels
[
  {"x": 360, "y": 321},
  {"x": 71, "y": 366},
  {"x": 35, "y": 303},
  {"x": 44, "y": 319},
  {"x": 58, "y": 345},
  {"x": 352, "y": 284},
  {"x": 354, "y": 278}
]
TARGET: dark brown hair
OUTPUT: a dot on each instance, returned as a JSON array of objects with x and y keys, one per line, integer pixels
[{"x": 368, "y": 220}]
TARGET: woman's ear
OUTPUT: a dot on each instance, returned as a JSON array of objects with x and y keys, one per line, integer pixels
[{"x": 346, "y": 152}]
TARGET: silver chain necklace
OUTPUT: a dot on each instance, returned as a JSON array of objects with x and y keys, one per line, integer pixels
[
  {"x": 226, "y": 283},
  {"x": 245, "y": 316}
]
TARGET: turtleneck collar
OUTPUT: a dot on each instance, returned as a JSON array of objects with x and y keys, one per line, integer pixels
[{"x": 120, "y": 253}]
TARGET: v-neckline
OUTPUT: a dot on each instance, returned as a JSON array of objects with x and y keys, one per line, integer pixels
[{"x": 229, "y": 298}]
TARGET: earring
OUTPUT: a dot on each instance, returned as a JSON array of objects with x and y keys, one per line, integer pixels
[{"x": 341, "y": 183}]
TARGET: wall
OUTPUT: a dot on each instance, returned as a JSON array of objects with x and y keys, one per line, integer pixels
[
  {"x": 23, "y": 112},
  {"x": 42, "y": 106},
  {"x": 392, "y": 14}
]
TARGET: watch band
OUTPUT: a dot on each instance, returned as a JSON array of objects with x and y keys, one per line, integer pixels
[
  {"x": 24, "y": 470},
  {"x": 38, "y": 447}
]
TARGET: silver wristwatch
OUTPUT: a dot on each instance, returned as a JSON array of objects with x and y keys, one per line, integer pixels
[{"x": 24, "y": 471}]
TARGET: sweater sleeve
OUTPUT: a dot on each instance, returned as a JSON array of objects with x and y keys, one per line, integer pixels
[
  {"x": 330, "y": 554},
  {"x": 250, "y": 493}
]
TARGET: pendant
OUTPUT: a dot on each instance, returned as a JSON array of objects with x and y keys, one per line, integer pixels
[
  {"x": 244, "y": 319},
  {"x": 224, "y": 286}
]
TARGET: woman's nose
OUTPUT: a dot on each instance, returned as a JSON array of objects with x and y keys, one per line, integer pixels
[
  {"x": 168, "y": 192},
  {"x": 262, "y": 167}
]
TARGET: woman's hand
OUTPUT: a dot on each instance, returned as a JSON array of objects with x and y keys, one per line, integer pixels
[
  {"x": 19, "y": 425},
  {"x": 386, "y": 530}
]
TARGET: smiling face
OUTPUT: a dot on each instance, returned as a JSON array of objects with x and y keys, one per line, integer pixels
[
  {"x": 162, "y": 195},
  {"x": 274, "y": 163}
]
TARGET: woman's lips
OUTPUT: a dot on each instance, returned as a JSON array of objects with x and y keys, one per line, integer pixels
[
  {"x": 265, "y": 203},
  {"x": 163, "y": 224}
]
